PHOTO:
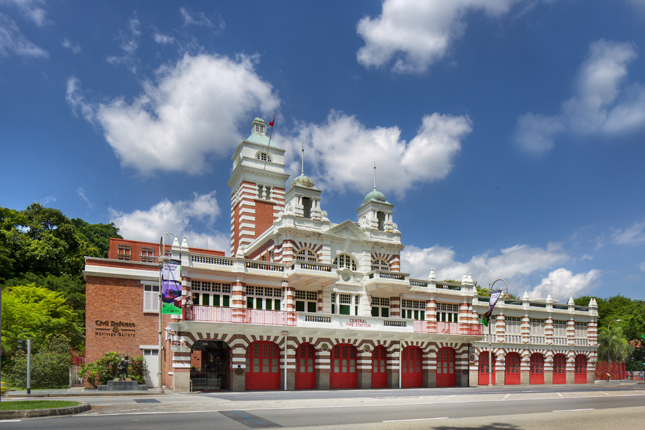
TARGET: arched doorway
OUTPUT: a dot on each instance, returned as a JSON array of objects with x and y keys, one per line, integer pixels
[
  {"x": 210, "y": 364},
  {"x": 379, "y": 367},
  {"x": 536, "y": 377},
  {"x": 559, "y": 369},
  {"x": 446, "y": 368},
  {"x": 580, "y": 376},
  {"x": 485, "y": 369},
  {"x": 411, "y": 374},
  {"x": 262, "y": 366},
  {"x": 305, "y": 367},
  {"x": 343, "y": 367},
  {"x": 512, "y": 376}
]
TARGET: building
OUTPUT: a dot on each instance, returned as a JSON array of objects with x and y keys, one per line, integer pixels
[{"x": 325, "y": 301}]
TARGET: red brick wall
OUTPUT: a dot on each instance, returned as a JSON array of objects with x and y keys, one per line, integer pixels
[{"x": 263, "y": 216}]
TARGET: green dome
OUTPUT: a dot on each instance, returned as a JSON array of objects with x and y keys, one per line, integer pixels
[
  {"x": 375, "y": 195},
  {"x": 303, "y": 181}
]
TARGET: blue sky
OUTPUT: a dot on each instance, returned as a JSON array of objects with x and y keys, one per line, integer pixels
[{"x": 508, "y": 133}]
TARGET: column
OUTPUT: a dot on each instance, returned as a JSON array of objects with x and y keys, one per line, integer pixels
[
  {"x": 464, "y": 318},
  {"x": 571, "y": 367},
  {"x": 323, "y": 363},
  {"x": 500, "y": 367},
  {"x": 238, "y": 301},
  {"x": 526, "y": 329},
  {"x": 289, "y": 365},
  {"x": 395, "y": 307},
  {"x": 500, "y": 328},
  {"x": 320, "y": 301},
  {"x": 431, "y": 315},
  {"x": 571, "y": 332},
  {"x": 548, "y": 332},
  {"x": 238, "y": 367},
  {"x": 525, "y": 367},
  {"x": 548, "y": 368},
  {"x": 394, "y": 363},
  {"x": 592, "y": 333},
  {"x": 290, "y": 303},
  {"x": 364, "y": 367},
  {"x": 430, "y": 368}
]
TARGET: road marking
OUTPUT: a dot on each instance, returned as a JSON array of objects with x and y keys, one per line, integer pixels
[
  {"x": 416, "y": 419},
  {"x": 574, "y": 410},
  {"x": 560, "y": 395},
  {"x": 506, "y": 396},
  {"x": 10, "y": 421}
]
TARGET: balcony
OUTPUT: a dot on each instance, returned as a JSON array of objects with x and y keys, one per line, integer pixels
[
  {"x": 241, "y": 316},
  {"x": 448, "y": 328}
]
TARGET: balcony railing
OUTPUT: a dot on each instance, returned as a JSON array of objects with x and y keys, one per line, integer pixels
[
  {"x": 559, "y": 340},
  {"x": 538, "y": 340},
  {"x": 242, "y": 316},
  {"x": 582, "y": 342},
  {"x": 318, "y": 267},
  {"x": 448, "y": 328}
]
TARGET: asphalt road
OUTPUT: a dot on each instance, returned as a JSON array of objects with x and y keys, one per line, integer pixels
[{"x": 477, "y": 411}]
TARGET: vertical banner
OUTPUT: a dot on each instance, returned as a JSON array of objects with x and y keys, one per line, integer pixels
[{"x": 171, "y": 288}]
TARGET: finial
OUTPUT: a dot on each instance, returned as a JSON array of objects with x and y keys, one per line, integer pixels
[
  {"x": 302, "y": 171},
  {"x": 374, "y": 175}
]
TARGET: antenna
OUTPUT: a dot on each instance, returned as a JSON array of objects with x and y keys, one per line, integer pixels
[
  {"x": 302, "y": 172},
  {"x": 374, "y": 175}
]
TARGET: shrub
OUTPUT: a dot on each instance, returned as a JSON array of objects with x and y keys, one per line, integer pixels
[
  {"x": 49, "y": 366},
  {"x": 104, "y": 369}
]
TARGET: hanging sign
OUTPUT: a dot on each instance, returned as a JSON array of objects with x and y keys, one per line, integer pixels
[{"x": 171, "y": 288}]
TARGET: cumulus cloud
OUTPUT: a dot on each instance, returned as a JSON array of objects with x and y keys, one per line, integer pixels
[
  {"x": 340, "y": 153},
  {"x": 192, "y": 109},
  {"x": 129, "y": 43},
  {"x": 74, "y": 48},
  {"x": 177, "y": 218},
  {"x": 562, "y": 284},
  {"x": 633, "y": 235},
  {"x": 416, "y": 34},
  {"x": 31, "y": 9},
  {"x": 586, "y": 257},
  {"x": 12, "y": 41},
  {"x": 603, "y": 105}
]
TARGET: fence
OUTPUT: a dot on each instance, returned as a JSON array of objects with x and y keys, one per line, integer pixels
[{"x": 610, "y": 371}]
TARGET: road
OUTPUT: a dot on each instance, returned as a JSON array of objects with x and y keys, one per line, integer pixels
[{"x": 506, "y": 408}]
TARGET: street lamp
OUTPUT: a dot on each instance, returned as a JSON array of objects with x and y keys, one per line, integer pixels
[
  {"x": 490, "y": 336},
  {"x": 608, "y": 325}
]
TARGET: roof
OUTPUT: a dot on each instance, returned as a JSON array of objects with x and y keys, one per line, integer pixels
[
  {"x": 262, "y": 140},
  {"x": 376, "y": 196}
]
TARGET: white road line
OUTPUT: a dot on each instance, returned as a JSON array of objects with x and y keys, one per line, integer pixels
[
  {"x": 560, "y": 395},
  {"x": 574, "y": 410},
  {"x": 506, "y": 396},
  {"x": 416, "y": 419},
  {"x": 10, "y": 421}
]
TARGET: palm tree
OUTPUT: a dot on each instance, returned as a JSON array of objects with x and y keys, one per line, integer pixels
[{"x": 612, "y": 344}]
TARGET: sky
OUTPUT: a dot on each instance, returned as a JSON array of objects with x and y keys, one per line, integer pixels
[{"x": 509, "y": 134}]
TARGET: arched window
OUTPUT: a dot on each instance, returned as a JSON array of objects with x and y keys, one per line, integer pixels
[
  {"x": 263, "y": 156},
  {"x": 380, "y": 265},
  {"x": 307, "y": 255},
  {"x": 343, "y": 261}
]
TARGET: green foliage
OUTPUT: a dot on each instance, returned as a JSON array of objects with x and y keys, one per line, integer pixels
[
  {"x": 49, "y": 366},
  {"x": 104, "y": 369},
  {"x": 30, "y": 312},
  {"x": 635, "y": 365},
  {"x": 612, "y": 344},
  {"x": 97, "y": 234},
  {"x": 631, "y": 314},
  {"x": 19, "y": 405}
]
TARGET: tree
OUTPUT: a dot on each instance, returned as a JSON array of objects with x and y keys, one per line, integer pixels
[
  {"x": 612, "y": 344},
  {"x": 98, "y": 234}
]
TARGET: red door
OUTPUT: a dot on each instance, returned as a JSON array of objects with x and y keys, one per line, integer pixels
[
  {"x": 446, "y": 368},
  {"x": 343, "y": 369},
  {"x": 559, "y": 369},
  {"x": 485, "y": 369},
  {"x": 411, "y": 376},
  {"x": 536, "y": 377},
  {"x": 512, "y": 376},
  {"x": 305, "y": 367},
  {"x": 379, "y": 367},
  {"x": 580, "y": 376},
  {"x": 262, "y": 366}
]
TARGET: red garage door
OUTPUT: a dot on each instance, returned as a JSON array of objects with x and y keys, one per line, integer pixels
[
  {"x": 581, "y": 369},
  {"x": 512, "y": 376},
  {"x": 305, "y": 367},
  {"x": 411, "y": 375},
  {"x": 343, "y": 369},
  {"x": 559, "y": 369},
  {"x": 379, "y": 367},
  {"x": 446, "y": 368},
  {"x": 536, "y": 377},
  {"x": 262, "y": 366},
  {"x": 484, "y": 368}
]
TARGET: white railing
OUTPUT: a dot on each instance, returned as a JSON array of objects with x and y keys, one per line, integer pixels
[
  {"x": 559, "y": 340},
  {"x": 512, "y": 338},
  {"x": 218, "y": 261},
  {"x": 257, "y": 316},
  {"x": 318, "y": 267},
  {"x": 212, "y": 314},
  {"x": 582, "y": 342},
  {"x": 538, "y": 340}
]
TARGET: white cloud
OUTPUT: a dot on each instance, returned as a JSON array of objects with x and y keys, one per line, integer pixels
[
  {"x": 13, "y": 41},
  {"x": 46, "y": 200},
  {"x": 200, "y": 19},
  {"x": 31, "y": 9},
  {"x": 603, "y": 106},
  {"x": 341, "y": 152},
  {"x": 81, "y": 192},
  {"x": 75, "y": 48},
  {"x": 418, "y": 33},
  {"x": 562, "y": 284},
  {"x": 163, "y": 39},
  {"x": 642, "y": 266},
  {"x": 192, "y": 109},
  {"x": 129, "y": 43},
  {"x": 586, "y": 257},
  {"x": 633, "y": 235},
  {"x": 512, "y": 263},
  {"x": 168, "y": 217}
]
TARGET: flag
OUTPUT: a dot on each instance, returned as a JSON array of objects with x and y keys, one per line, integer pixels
[
  {"x": 492, "y": 301},
  {"x": 271, "y": 123}
]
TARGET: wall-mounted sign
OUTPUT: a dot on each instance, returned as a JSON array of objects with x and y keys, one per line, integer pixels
[
  {"x": 357, "y": 322},
  {"x": 108, "y": 328}
]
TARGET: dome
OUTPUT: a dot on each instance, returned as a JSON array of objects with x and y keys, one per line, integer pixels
[
  {"x": 303, "y": 181},
  {"x": 375, "y": 195}
]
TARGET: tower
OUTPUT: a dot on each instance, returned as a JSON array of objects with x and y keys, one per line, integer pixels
[{"x": 257, "y": 186}]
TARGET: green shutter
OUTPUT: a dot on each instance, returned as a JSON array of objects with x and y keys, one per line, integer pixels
[
  {"x": 385, "y": 312},
  {"x": 226, "y": 300},
  {"x": 300, "y": 306},
  {"x": 311, "y": 307},
  {"x": 344, "y": 309},
  {"x": 249, "y": 302},
  {"x": 216, "y": 300},
  {"x": 205, "y": 299},
  {"x": 375, "y": 311}
]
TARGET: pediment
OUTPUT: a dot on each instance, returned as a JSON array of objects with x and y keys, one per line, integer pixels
[{"x": 349, "y": 230}]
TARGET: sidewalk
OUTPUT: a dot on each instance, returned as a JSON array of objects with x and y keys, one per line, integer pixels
[{"x": 81, "y": 392}]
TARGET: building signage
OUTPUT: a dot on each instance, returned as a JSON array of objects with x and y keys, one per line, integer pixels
[
  {"x": 171, "y": 288},
  {"x": 108, "y": 328},
  {"x": 357, "y": 322}
]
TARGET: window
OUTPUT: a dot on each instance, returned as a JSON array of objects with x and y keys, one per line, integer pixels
[
  {"x": 380, "y": 307},
  {"x": 306, "y": 207},
  {"x": 124, "y": 252},
  {"x": 413, "y": 309},
  {"x": 263, "y": 156},
  {"x": 263, "y": 298},
  {"x": 537, "y": 327},
  {"x": 559, "y": 329},
  {"x": 151, "y": 298},
  {"x": 211, "y": 293},
  {"x": 151, "y": 352},
  {"x": 513, "y": 325},
  {"x": 147, "y": 254},
  {"x": 380, "y": 217},
  {"x": 307, "y": 255},
  {"x": 306, "y": 301},
  {"x": 380, "y": 265},
  {"x": 345, "y": 261},
  {"x": 581, "y": 330},
  {"x": 344, "y": 304},
  {"x": 259, "y": 128},
  {"x": 447, "y": 312}
]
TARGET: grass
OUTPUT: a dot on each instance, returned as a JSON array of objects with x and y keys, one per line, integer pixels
[{"x": 16, "y": 405}]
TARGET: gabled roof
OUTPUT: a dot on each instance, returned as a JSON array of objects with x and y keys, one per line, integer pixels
[{"x": 347, "y": 229}]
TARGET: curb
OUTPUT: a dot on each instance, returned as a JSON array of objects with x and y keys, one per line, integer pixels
[
  {"x": 84, "y": 394},
  {"x": 33, "y": 413}
]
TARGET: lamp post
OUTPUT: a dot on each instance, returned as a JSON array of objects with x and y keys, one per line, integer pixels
[
  {"x": 490, "y": 336},
  {"x": 609, "y": 325}
]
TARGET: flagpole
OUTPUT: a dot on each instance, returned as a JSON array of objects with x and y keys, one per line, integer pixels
[{"x": 269, "y": 145}]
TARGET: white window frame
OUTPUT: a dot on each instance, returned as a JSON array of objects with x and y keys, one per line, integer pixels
[
  {"x": 380, "y": 265},
  {"x": 382, "y": 304},
  {"x": 342, "y": 261},
  {"x": 203, "y": 289},
  {"x": 307, "y": 255},
  {"x": 413, "y": 309},
  {"x": 307, "y": 298},
  {"x": 151, "y": 298},
  {"x": 260, "y": 296},
  {"x": 448, "y": 312}
]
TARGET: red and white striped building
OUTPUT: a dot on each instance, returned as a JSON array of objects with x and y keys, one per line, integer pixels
[{"x": 305, "y": 303}]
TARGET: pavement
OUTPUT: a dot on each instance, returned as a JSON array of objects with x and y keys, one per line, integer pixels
[{"x": 79, "y": 392}]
